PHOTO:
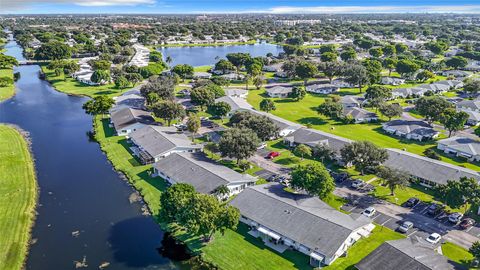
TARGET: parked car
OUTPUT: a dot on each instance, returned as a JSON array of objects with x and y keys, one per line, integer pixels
[
  {"x": 455, "y": 218},
  {"x": 369, "y": 212},
  {"x": 467, "y": 223},
  {"x": 434, "y": 238},
  {"x": 435, "y": 209},
  {"x": 272, "y": 155},
  {"x": 272, "y": 178},
  {"x": 262, "y": 145},
  {"x": 357, "y": 184},
  {"x": 412, "y": 202},
  {"x": 407, "y": 225}
]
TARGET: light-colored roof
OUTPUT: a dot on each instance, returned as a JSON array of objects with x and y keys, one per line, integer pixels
[
  {"x": 236, "y": 103},
  {"x": 426, "y": 168},
  {"x": 312, "y": 137},
  {"x": 201, "y": 172},
  {"x": 358, "y": 113},
  {"x": 304, "y": 219},
  {"x": 279, "y": 90},
  {"x": 157, "y": 140},
  {"x": 462, "y": 144},
  {"x": 236, "y": 92},
  {"x": 411, "y": 127}
]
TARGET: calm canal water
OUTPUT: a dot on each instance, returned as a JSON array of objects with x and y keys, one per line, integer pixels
[
  {"x": 204, "y": 56},
  {"x": 79, "y": 190}
]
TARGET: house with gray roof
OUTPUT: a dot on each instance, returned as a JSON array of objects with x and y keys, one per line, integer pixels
[
  {"x": 204, "y": 174},
  {"x": 237, "y": 104},
  {"x": 412, "y": 130},
  {"x": 279, "y": 91},
  {"x": 473, "y": 118},
  {"x": 461, "y": 147},
  {"x": 130, "y": 100},
  {"x": 469, "y": 105},
  {"x": 156, "y": 142},
  {"x": 428, "y": 172},
  {"x": 202, "y": 75},
  {"x": 392, "y": 81},
  {"x": 360, "y": 115},
  {"x": 126, "y": 120},
  {"x": 241, "y": 93},
  {"x": 405, "y": 254},
  {"x": 408, "y": 92},
  {"x": 285, "y": 220},
  {"x": 456, "y": 73},
  {"x": 322, "y": 88},
  {"x": 285, "y": 127}
]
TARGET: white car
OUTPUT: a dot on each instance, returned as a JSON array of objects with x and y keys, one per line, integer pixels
[
  {"x": 434, "y": 238},
  {"x": 357, "y": 183},
  {"x": 455, "y": 217},
  {"x": 262, "y": 146},
  {"x": 407, "y": 225},
  {"x": 369, "y": 212}
]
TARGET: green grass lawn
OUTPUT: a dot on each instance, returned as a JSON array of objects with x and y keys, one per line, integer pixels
[
  {"x": 457, "y": 254},
  {"x": 73, "y": 87},
  {"x": 18, "y": 195},
  {"x": 363, "y": 247},
  {"x": 8, "y": 91},
  {"x": 303, "y": 112}
]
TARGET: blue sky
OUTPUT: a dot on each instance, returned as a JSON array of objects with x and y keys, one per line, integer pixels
[{"x": 237, "y": 6}]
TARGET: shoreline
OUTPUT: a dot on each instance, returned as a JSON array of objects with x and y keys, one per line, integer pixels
[
  {"x": 29, "y": 241},
  {"x": 253, "y": 42}
]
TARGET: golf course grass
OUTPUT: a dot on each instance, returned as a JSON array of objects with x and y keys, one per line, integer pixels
[{"x": 18, "y": 195}]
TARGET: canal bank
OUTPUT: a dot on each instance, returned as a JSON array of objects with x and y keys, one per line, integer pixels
[{"x": 85, "y": 217}]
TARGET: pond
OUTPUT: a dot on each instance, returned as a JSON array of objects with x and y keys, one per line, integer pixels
[
  {"x": 84, "y": 212},
  {"x": 206, "y": 56}
]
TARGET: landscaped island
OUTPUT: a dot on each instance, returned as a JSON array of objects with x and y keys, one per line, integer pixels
[{"x": 18, "y": 195}]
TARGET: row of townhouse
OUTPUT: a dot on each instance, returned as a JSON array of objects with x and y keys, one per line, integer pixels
[
  {"x": 420, "y": 90},
  {"x": 472, "y": 108}
]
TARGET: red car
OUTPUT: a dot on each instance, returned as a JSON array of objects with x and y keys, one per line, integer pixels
[
  {"x": 467, "y": 223},
  {"x": 272, "y": 155}
]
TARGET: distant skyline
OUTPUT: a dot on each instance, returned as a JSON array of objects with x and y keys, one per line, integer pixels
[{"x": 235, "y": 6}]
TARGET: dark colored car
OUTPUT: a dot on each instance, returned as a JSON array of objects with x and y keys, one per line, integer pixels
[
  {"x": 467, "y": 223},
  {"x": 435, "y": 209},
  {"x": 412, "y": 202}
]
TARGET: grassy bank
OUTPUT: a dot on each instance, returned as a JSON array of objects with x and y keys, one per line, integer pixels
[
  {"x": 8, "y": 91},
  {"x": 18, "y": 195},
  {"x": 250, "y": 42}
]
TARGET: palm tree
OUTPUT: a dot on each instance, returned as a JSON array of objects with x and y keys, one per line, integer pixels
[
  {"x": 169, "y": 60},
  {"x": 222, "y": 191}
]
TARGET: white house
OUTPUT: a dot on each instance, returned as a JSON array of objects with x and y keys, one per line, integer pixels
[
  {"x": 413, "y": 130},
  {"x": 126, "y": 120},
  {"x": 392, "y": 81},
  {"x": 461, "y": 147},
  {"x": 279, "y": 91},
  {"x": 322, "y": 88}
]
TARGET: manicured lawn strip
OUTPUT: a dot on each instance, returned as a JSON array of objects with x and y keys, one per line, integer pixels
[
  {"x": 224, "y": 251},
  {"x": 8, "y": 91},
  {"x": 303, "y": 112},
  {"x": 18, "y": 196},
  {"x": 457, "y": 254},
  {"x": 73, "y": 87},
  {"x": 364, "y": 247}
]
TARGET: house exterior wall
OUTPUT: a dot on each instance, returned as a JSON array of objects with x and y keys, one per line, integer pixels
[{"x": 129, "y": 129}]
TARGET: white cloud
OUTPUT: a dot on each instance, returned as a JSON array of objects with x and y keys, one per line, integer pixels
[
  {"x": 23, "y": 5},
  {"x": 113, "y": 2},
  {"x": 376, "y": 9}
]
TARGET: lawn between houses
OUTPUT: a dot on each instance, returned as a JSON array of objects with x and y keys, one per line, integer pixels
[
  {"x": 303, "y": 112},
  {"x": 18, "y": 196},
  {"x": 8, "y": 91},
  {"x": 235, "y": 249}
]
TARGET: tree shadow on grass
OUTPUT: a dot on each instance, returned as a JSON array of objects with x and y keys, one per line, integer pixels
[
  {"x": 312, "y": 121},
  {"x": 287, "y": 161},
  {"x": 109, "y": 131}
]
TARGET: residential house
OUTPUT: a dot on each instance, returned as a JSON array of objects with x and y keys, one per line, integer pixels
[
  {"x": 204, "y": 174},
  {"x": 284, "y": 220},
  {"x": 156, "y": 142},
  {"x": 352, "y": 101},
  {"x": 428, "y": 172},
  {"x": 473, "y": 118},
  {"x": 236, "y": 104},
  {"x": 201, "y": 75},
  {"x": 359, "y": 115},
  {"x": 141, "y": 56},
  {"x": 322, "y": 88},
  {"x": 412, "y": 130},
  {"x": 408, "y": 92},
  {"x": 242, "y": 93},
  {"x": 456, "y": 73},
  {"x": 405, "y": 254},
  {"x": 469, "y": 105},
  {"x": 279, "y": 91},
  {"x": 233, "y": 77},
  {"x": 273, "y": 68},
  {"x": 461, "y": 147},
  {"x": 392, "y": 81},
  {"x": 472, "y": 66},
  {"x": 342, "y": 83},
  {"x": 129, "y": 100},
  {"x": 127, "y": 120}
]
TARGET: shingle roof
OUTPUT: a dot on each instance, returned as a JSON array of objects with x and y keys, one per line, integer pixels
[
  {"x": 430, "y": 169},
  {"x": 358, "y": 113},
  {"x": 411, "y": 127},
  {"x": 127, "y": 116},
  {"x": 236, "y": 92},
  {"x": 462, "y": 144},
  {"x": 313, "y": 137},
  {"x": 133, "y": 100},
  {"x": 279, "y": 90},
  {"x": 304, "y": 219},
  {"x": 201, "y": 172},
  {"x": 404, "y": 254},
  {"x": 157, "y": 140},
  {"x": 236, "y": 103},
  {"x": 470, "y": 104}
]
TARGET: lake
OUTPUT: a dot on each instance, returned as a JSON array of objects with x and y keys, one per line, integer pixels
[
  {"x": 206, "y": 56},
  {"x": 84, "y": 210}
]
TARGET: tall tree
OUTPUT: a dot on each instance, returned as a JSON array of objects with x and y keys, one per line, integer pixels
[
  {"x": 456, "y": 62},
  {"x": 432, "y": 107},
  {"x": 330, "y": 109},
  {"x": 298, "y": 93},
  {"x": 53, "y": 50},
  {"x": 100, "y": 76},
  {"x": 174, "y": 200},
  {"x": 407, "y": 67},
  {"x": 225, "y": 66},
  {"x": 183, "y": 70},
  {"x": 391, "y": 110},
  {"x": 238, "y": 143},
  {"x": 163, "y": 87},
  {"x": 356, "y": 75},
  {"x": 305, "y": 70},
  {"x": 267, "y": 105},
  {"x": 314, "y": 179},
  {"x": 377, "y": 95},
  {"x": 238, "y": 60},
  {"x": 220, "y": 109},
  {"x": 168, "y": 111},
  {"x": 390, "y": 64},
  {"x": 193, "y": 124},
  {"x": 453, "y": 121},
  {"x": 331, "y": 69},
  {"x": 323, "y": 152},
  {"x": 302, "y": 150},
  {"x": 202, "y": 96},
  {"x": 393, "y": 178},
  {"x": 98, "y": 105},
  {"x": 363, "y": 155}
]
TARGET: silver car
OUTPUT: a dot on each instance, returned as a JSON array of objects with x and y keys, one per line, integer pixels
[{"x": 407, "y": 225}]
